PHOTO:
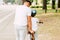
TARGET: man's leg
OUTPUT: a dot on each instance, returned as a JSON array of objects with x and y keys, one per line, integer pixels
[{"x": 21, "y": 33}]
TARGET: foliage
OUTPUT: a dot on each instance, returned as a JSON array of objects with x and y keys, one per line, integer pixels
[
  {"x": 6, "y": 1},
  {"x": 36, "y": 6},
  {"x": 47, "y": 1}
]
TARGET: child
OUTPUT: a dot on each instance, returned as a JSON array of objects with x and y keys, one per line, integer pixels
[{"x": 34, "y": 25}]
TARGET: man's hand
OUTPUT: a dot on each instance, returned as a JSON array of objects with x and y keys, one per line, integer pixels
[{"x": 31, "y": 31}]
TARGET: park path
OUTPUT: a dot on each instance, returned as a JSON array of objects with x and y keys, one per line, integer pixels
[
  {"x": 50, "y": 29},
  {"x": 6, "y": 22}
]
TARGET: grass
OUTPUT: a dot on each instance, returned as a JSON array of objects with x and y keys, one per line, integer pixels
[
  {"x": 50, "y": 29},
  {"x": 39, "y": 10},
  {"x": 49, "y": 9}
]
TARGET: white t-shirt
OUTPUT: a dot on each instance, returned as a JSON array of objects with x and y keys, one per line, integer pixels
[
  {"x": 21, "y": 14},
  {"x": 34, "y": 23}
]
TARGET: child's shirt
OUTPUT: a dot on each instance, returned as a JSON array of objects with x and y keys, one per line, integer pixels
[{"x": 34, "y": 23}]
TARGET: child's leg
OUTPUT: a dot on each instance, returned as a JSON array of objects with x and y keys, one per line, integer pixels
[
  {"x": 36, "y": 36},
  {"x": 29, "y": 37}
]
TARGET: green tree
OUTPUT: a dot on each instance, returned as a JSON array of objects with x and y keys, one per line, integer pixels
[
  {"x": 48, "y": 1},
  {"x": 6, "y": 1}
]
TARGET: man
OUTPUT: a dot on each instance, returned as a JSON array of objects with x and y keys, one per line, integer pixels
[{"x": 22, "y": 19}]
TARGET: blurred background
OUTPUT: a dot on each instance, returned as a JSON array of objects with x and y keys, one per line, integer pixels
[
  {"x": 48, "y": 11},
  {"x": 41, "y": 4}
]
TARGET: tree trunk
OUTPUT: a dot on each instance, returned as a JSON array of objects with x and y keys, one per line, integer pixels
[
  {"x": 44, "y": 4},
  {"x": 58, "y": 3},
  {"x": 53, "y": 4}
]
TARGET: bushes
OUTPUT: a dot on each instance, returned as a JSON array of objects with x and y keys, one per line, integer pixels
[
  {"x": 36, "y": 6},
  {"x": 40, "y": 6}
]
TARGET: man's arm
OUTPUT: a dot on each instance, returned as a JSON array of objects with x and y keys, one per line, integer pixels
[{"x": 29, "y": 24}]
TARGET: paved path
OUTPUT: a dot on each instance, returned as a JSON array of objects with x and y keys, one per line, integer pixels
[{"x": 6, "y": 22}]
